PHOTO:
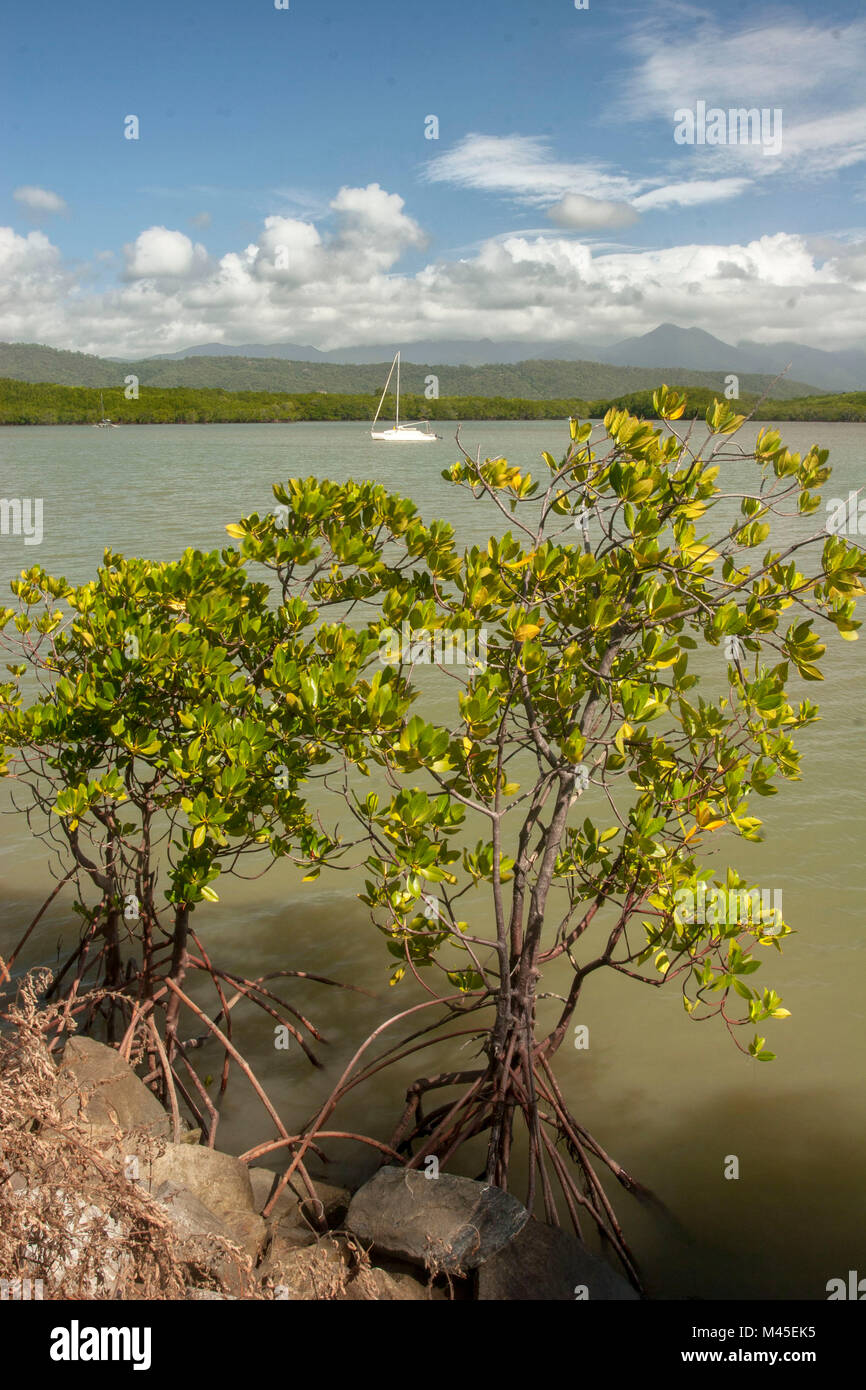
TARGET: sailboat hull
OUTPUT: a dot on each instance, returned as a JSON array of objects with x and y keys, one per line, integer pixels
[{"x": 404, "y": 435}]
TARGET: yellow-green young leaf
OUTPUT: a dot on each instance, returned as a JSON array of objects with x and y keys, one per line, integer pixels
[
  {"x": 234, "y": 530},
  {"x": 526, "y": 632},
  {"x": 574, "y": 746},
  {"x": 208, "y": 892},
  {"x": 198, "y": 836},
  {"x": 781, "y": 1013},
  {"x": 623, "y": 732}
]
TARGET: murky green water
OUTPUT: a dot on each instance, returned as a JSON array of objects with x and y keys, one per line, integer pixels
[{"x": 670, "y": 1099}]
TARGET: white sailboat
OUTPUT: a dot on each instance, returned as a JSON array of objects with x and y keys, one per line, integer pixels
[
  {"x": 407, "y": 433},
  {"x": 103, "y": 423}
]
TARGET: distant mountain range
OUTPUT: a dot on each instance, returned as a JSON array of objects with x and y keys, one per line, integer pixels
[
  {"x": 667, "y": 346},
  {"x": 548, "y": 378}
]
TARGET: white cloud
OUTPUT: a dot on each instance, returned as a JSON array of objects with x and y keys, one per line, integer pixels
[
  {"x": 159, "y": 252},
  {"x": 39, "y": 200},
  {"x": 522, "y": 167},
  {"x": 373, "y": 226},
  {"x": 769, "y": 64},
  {"x": 345, "y": 287},
  {"x": 580, "y": 213},
  {"x": 811, "y": 72},
  {"x": 688, "y": 194}
]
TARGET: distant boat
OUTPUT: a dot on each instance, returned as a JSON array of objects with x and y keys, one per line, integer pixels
[
  {"x": 409, "y": 433},
  {"x": 104, "y": 423}
]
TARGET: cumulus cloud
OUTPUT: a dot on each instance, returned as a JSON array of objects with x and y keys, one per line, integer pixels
[
  {"x": 159, "y": 252},
  {"x": 372, "y": 224},
  {"x": 39, "y": 201},
  {"x": 579, "y": 213},
  {"x": 342, "y": 286}
]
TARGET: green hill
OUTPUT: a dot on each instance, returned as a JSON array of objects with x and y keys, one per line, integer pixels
[{"x": 530, "y": 380}]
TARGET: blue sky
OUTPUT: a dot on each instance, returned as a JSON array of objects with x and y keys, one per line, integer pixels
[{"x": 282, "y": 188}]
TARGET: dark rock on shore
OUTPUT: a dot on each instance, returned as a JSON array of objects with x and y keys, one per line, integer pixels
[
  {"x": 546, "y": 1263},
  {"x": 447, "y": 1224}
]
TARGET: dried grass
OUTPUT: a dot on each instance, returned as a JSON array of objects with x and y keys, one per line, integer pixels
[{"x": 69, "y": 1215}]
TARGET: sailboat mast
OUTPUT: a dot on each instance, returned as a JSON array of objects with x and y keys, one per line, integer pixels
[
  {"x": 385, "y": 392},
  {"x": 397, "y": 416}
]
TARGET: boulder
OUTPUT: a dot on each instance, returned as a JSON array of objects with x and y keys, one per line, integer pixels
[
  {"x": 448, "y": 1224},
  {"x": 96, "y": 1086},
  {"x": 219, "y": 1182},
  {"x": 546, "y": 1263},
  {"x": 189, "y": 1216},
  {"x": 201, "y": 1232}
]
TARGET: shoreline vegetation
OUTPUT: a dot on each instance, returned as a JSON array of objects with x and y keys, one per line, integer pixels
[{"x": 42, "y": 403}]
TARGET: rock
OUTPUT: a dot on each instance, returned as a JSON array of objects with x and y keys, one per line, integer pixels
[
  {"x": 210, "y": 1295},
  {"x": 290, "y": 1209},
  {"x": 219, "y": 1182},
  {"x": 200, "y": 1230},
  {"x": 96, "y": 1086},
  {"x": 447, "y": 1224},
  {"x": 318, "y": 1271},
  {"x": 249, "y": 1231},
  {"x": 190, "y": 1216},
  {"x": 546, "y": 1263}
]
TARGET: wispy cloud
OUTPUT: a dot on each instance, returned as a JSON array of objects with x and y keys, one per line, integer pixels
[
  {"x": 523, "y": 167},
  {"x": 690, "y": 193},
  {"x": 812, "y": 72},
  {"x": 587, "y": 195},
  {"x": 791, "y": 59}
]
